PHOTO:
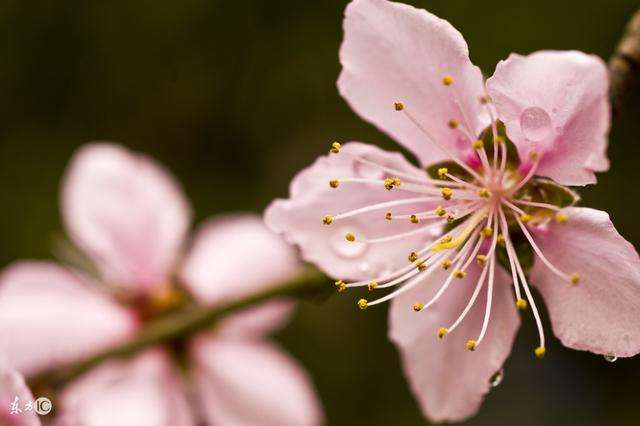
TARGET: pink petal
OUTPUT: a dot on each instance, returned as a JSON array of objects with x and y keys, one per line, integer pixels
[
  {"x": 601, "y": 314},
  {"x": 299, "y": 218},
  {"x": 448, "y": 380},
  {"x": 244, "y": 383},
  {"x": 234, "y": 256},
  {"x": 256, "y": 321},
  {"x": 557, "y": 104},
  {"x": 127, "y": 212},
  {"x": 394, "y": 52},
  {"x": 12, "y": 386},
  {"x": 143, "y": 391},
  {"x": 50, "y": 316}
]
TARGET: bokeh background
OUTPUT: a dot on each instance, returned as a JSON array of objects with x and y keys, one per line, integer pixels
[{"x": 235, "y": 97}]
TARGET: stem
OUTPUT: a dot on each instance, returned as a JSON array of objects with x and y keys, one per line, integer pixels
[
  {"x": 624, "y": 64},
  {"x": 182, "y": 323}
]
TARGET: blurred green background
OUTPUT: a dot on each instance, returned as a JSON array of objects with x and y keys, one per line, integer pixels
[{"x": 235, "y": 97}]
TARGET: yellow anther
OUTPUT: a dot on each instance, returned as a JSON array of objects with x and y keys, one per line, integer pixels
[
  {"x": 399, "y": 106},
  {"x": 525, "y": 217},
  {"x": 446, "y": 264},
  {"x": 372, "y": 285},
  {"x": 486, "y": 231},
  {"x": 533, "y": 155},
  {"x": 388, "y": 216},
  {"x": 327, "y": 219},
  {"x": 477, "y": 144},
  {"x": 484, "y": 193},
  {"x": 442, "y": 331},
  {"x": 335, "y": 147},
  {"x": 389, "y": 184},
  {"x": 362, "y": 304},
  {"x": 440, "y": 211},
  {"x": 418, "y": 307},
  {"x": 450, "y": 219},
  {"x": 481, "y": 259},
  {"x": 414, "y": 219},
  {"x": 350, "y": 236},
  {"x": 397, "y": 181},
  {"x": 521, "y": 304},
  {"x": 341, "y": 286},
  {"x": 540, "y": 351},
  {"x": 446, "y": 239},
  {"x": 472, "y": 223},
  {"x": 575, "y": 278},
  {"x": 460, "y": 274},
  {"x": 413, "y": 256},
  {"x": 422, "y": 266},
  {"x": 334, "y": 183},
  {"x": 499, "y": 139},
  {"x": 561, "y": 218},
  {"x": 442, "y": 172},
  {"x": 453, "y": 123},
  {"x": 447, "y": 193},
  {"x": 471, "y": 345},
  {"x": 501, "y": 241},
  {"x": 447, "y": 80}
]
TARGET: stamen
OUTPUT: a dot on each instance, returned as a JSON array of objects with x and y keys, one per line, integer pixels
[
  {"x": 487, "y": 312},
  {"x": 521, "y": 304},
  {"x": 341, "y": 286},
  {"x": 372, "y": 285},
  {"x": 418, "y": 307},
  {"x": 447, "y": 80},
  {"x": 335, "y": 147},
  {"x": 327, "y": 219},
  {"x": 561, "y": 218},
  {"x": 442, "y": 172},
  {"x": 572, "y": 279},
  {"x": 484, "y": 193},
  {"x": 441, "y": 147},
  {"x": 349, "y": 236},
  {"x": 447, "y": 193},
  {"x": 380, "y": 206},
  {"x": 334, "y": 183},
  {"x": 536, "y": 204},
  {"x": 362, "y": 304},
  {"x": 399, "y": 106},
  {"x": 440, "y": 211}
]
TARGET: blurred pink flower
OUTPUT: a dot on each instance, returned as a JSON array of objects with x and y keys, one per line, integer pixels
[
  {"x": 129, "y": 215},
  {"x": 437, "y": 239},
  {"x": 14, "y": 394}
]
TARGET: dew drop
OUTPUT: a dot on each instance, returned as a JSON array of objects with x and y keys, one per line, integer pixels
[
  {"x": 610, "y": 358},
  {"x": 535, "y": 124},
  {"x": 497, "y": 377},
  {"x": 344, "y": 248}
]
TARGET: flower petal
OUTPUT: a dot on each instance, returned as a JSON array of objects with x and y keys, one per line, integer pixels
[
  {"x": 127, "y": 212},
  {"x": 49, "y": 316},
  {"x": 143, "y": 391},
  {"x": 256, "y": 321},
  {"x": 556, "y": 103},
  {"x": 244, "y": 383},
  {"x": 14, "y": 389},
  {"x": 448, "y": 380},
  {"x": 234, "y": 256},
  {"x": 601, "y": 313},
  {"x": 299, "y": 218},
  {"x": 393, "y": 52}
]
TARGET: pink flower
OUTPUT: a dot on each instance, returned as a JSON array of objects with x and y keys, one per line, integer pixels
[
  {"x": 131, "y": 218},
  {"x": 14, "y": 395},
  {"x": 438, "y": 242}
]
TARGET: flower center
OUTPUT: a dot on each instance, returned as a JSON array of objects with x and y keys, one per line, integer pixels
[{"x": 479, "y": 210}]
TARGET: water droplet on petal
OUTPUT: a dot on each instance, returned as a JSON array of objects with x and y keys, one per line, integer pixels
[
  {"x": 344, "y": 248},
  {"x": 610, "y": 358},
  {"x": 497, "y": 377},
  {"x": 535, "y": 124}
]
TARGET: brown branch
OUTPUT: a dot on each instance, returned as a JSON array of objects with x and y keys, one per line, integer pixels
[
  {"x": 624, "y": 64},
  {"x": 183, "y": 323}
]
